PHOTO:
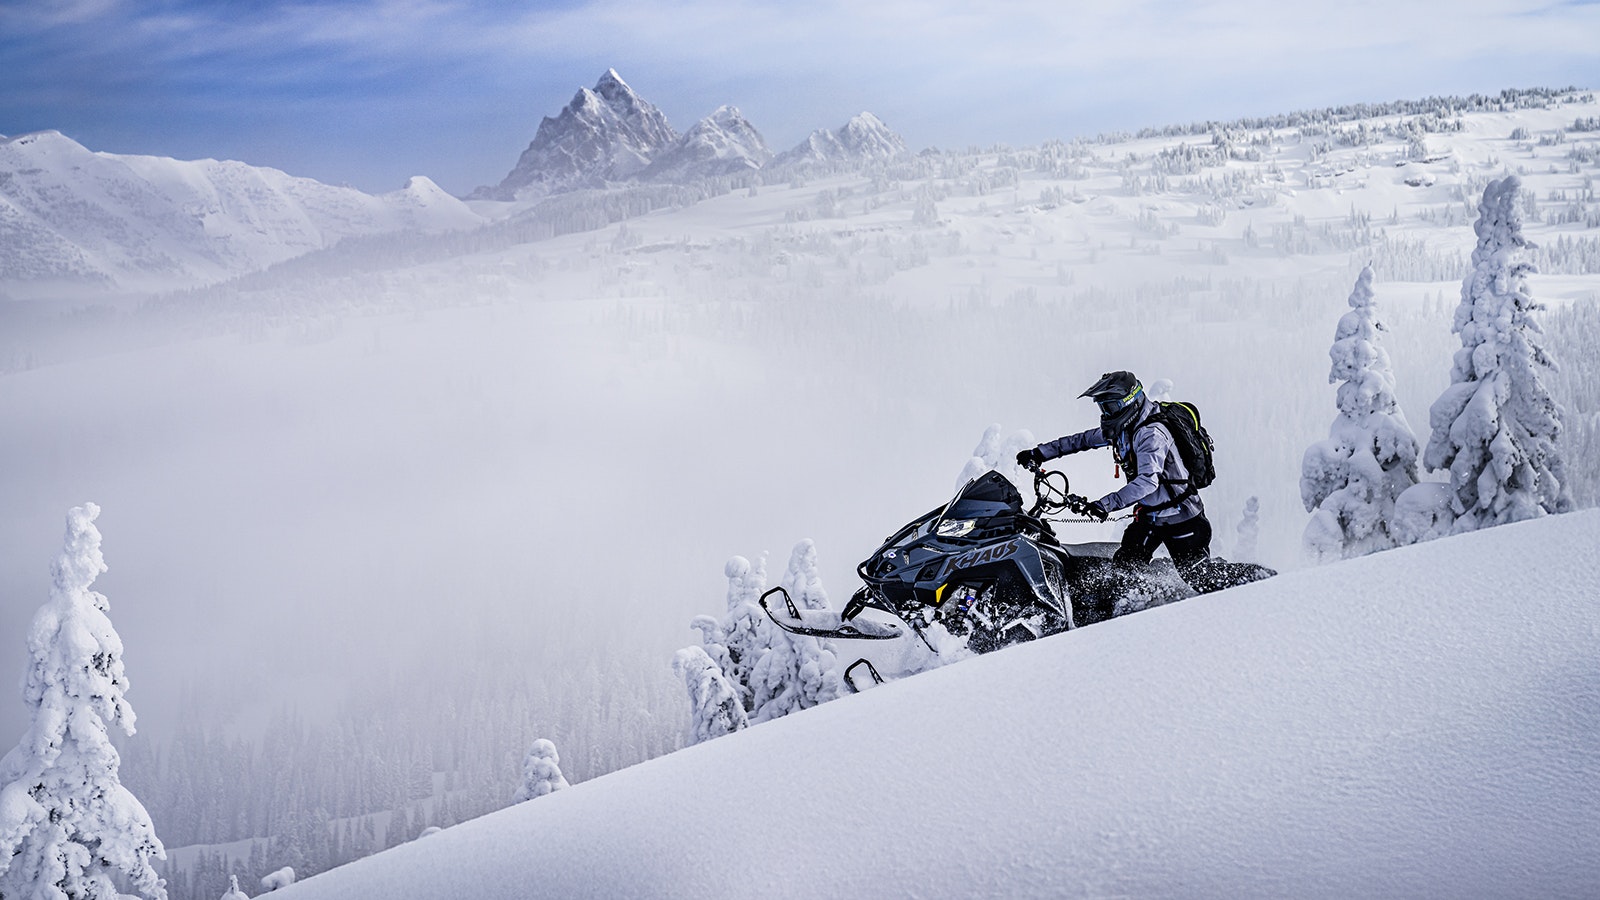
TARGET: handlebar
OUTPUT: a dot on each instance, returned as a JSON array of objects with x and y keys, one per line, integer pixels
[{"x": 1052, "y": 499}]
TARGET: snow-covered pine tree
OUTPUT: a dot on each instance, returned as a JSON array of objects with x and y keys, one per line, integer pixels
[
  {"x": 1424, "y": 512},
  {"x": 1249, "y": 531},
  {"x": 715, "y": 708},
  {"x": 541, "y": 772},
  {"x": 1350, "y": 481},
  {"x": 926, "y": 212},
  {"x": 744, "y": 627},
  {"x": 282, "y": 878},
  {"x": 802, "y": 579},
  {"x": 984, "y": 456},
  {"x": 795, "y": 672},
  {"x": 996, "y": 451},
  {"x": 233, "y": 890},
  {"x": 713, "y": 642},
  {"x": 68, "y": 828},
  {"x": 1495, "y": 427}
]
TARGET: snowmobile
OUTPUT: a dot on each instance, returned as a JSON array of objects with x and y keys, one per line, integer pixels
[{"x": 987, "y": 570}]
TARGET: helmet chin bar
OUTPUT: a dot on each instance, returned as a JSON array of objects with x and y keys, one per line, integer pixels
[{"x": 1119, "y": 420}]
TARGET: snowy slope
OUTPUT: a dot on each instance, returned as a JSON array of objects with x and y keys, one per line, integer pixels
[
  {"x": 1421, "y": 723},
  {"x": 141, "y": 222}
]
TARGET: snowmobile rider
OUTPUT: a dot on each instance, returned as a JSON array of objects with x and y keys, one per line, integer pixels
[{"x": 1166, "y": 510}]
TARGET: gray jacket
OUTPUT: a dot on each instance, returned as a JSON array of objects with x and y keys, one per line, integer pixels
[{"x": 1157, "y": 460}]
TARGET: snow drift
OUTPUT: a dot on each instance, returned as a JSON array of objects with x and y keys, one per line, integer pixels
[{"x": 1418, "y": 723}]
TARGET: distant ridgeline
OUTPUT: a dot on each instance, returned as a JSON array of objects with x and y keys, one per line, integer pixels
[
  {"x": 609, "y": 155},
  {"x": 1438, "y": 107}
]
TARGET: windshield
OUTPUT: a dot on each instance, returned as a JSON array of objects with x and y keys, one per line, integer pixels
[
  {"x": 989, "y": 494},
  {"x": 949, "y": 505}
]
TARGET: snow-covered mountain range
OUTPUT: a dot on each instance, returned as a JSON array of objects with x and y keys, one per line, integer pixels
[
  {"x": 1421, "y": 723},
  {"x": 610, "y": 135},
  {"x": 74, "y": 220},
  {"x": 70, "y": 216}
]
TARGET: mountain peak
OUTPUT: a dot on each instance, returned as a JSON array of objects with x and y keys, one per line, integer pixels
[
  {"x": 46, "y": 138},
  {"x": 865, "y": 137},
  {"x": 607, "y": 133},
  {"x": 611, "y": 84},
  {"x": 723, "y": 143},
  {"x": 726, "y": 114}
]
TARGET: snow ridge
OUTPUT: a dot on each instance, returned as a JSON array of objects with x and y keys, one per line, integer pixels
[{"x": 72, "y": 216}]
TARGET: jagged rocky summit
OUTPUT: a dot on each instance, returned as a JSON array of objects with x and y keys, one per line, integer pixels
[
  {"x": 606, "y": 134},
  {"x": 610, "y": 135}
]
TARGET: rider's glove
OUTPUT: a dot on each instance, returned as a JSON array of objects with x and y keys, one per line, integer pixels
[
  {"x": 1096, "y": 511},
  {"x": 1030, "y": 458}
]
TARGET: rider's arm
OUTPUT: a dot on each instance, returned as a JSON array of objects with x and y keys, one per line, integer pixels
[
  {"x": 1073, "y": 443},
  {"x": 1151, "y": 445}
]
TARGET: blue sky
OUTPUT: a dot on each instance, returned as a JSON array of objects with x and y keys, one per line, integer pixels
[{"x": 368, "y": 92}]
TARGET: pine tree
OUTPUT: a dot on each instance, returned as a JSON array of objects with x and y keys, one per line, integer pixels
[
  {"x": 67, "y": 825},
  {"x": 926, "y": 212},
  {"x": 996, "y": 451},
  {"x": 282, "y": 878},
  {"x": 802, "y": 579},
  {"x": 795, "y": 672},
  {"x": 1495, "y": 427},
  {"x": 1350, "y": 481},
  {"x": 1249, "y": 531},
  {"x": 541, "y": 772},
  {"x": 714, "y": 705},
  {"x": 714, "y": 642},
  {"x": 233, "y": 890},
  {"x": 745, "y": 625}
]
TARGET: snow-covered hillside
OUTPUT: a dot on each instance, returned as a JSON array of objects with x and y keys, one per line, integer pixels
[
  {"x": 1424, "y": 723},
  {"x": 75, "y": 219}
]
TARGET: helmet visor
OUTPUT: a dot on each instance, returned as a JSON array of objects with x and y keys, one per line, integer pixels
[{"x": 1110, "y": 406}]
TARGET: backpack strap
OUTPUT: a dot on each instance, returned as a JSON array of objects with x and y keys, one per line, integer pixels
[{"x": 1159, "y": 417}]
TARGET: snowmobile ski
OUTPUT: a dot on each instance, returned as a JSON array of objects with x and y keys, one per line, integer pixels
[
  {"x": 850, "y": 675},
  {"x": 824, "y": 623}
]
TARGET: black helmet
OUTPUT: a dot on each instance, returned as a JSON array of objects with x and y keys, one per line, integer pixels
[{"x": 1120, "y": 396}]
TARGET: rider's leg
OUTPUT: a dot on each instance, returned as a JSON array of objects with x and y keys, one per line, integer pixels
[{"x": 1189, "y": 543}]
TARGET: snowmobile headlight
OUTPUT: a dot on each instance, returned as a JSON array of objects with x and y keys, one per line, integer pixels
[{"x": 955, "y": 527}]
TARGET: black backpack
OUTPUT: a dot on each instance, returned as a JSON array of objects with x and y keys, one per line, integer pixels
[{"x": 1194, "y": 444}]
